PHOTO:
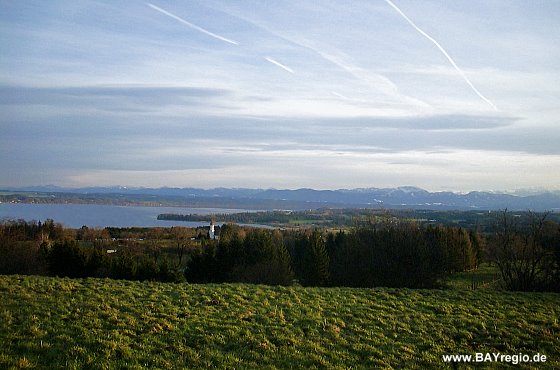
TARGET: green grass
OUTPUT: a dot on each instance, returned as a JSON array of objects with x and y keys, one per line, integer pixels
[
  {"x": 108, "y": 324},
  {"x": 485, "y": 277}
]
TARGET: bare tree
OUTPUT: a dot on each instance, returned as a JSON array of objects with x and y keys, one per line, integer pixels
[{"x": 517, "y": 250}]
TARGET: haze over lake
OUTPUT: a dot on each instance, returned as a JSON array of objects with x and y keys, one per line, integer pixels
[{"x": 78, "y": 215}]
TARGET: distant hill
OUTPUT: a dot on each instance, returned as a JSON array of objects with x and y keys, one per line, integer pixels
[{"x": 391, "y": 198}]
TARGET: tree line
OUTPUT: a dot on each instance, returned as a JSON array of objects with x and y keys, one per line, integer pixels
[
  {"x": 390, "y": 253},
  {"x": 50, "y": 249}
]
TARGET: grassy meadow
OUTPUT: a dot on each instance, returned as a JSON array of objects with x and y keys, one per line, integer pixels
[{"x": 105, "y": 324}]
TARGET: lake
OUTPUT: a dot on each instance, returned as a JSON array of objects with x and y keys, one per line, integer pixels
[{"x": 91, "y": 215}]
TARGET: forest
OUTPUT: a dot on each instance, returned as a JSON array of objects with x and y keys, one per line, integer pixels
[{"x": 384, "y": 252}]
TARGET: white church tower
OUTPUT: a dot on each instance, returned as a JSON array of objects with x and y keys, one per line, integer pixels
[{"x": 211, "y": 232}]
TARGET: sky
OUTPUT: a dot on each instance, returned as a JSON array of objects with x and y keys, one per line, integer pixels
[{"x": 443, "y": 95}]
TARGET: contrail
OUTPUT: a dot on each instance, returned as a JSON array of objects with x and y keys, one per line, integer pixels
[
  {"x": 191, "y": 25},
  {"x": 344, "y": 97},
  {"x": 381, "y": 82},
  {"x": 443, "y": 51},
  {"x": 279, "y": 64}
]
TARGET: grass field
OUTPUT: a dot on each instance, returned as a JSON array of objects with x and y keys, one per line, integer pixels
[
  {"x": 485, "y": 277},
  {"x": 107, "y": 324}
]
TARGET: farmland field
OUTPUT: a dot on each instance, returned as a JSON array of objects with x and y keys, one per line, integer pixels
[{"x": 102, "y": 323}]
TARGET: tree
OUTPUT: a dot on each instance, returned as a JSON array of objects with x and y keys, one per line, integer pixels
[
  {"x": 524, "y": 252},
  {"x": 315, "y": 269},
  {"x": 464, "y": 250},
  {"x": 124, "y": 266},
  {"x": 202, "y": 267},
  {"x": 66, "y": 258},
  {"x": 478, "y": 246}
]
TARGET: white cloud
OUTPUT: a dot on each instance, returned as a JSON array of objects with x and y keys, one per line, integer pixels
[{"x": 453, "y": 170}]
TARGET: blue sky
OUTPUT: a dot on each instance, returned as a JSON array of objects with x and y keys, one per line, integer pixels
[{"x": 444, "y": 95}]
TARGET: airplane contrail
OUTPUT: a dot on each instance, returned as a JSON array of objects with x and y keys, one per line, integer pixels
[
  {"x": 444, "y": 53},
  {"x": 191, "y": 25},
  {"x": 279, "y": 64},
  {"x": 373, "y": 79},
  {"x": 340, "y": 95}
]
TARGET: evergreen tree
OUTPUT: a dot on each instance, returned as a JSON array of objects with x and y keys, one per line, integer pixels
[
  {"x": 66, "y": 258},
  {"x": 317, "y": 260}
]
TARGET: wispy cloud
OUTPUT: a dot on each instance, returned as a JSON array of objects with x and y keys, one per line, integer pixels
[
  {"x": 375, "y": 82},
  {"x": 276, "y": 63},
  {"x": 166, "y": 96},
  {"x": 443, "y": 52},
  {"x": 192, "y": 25}
]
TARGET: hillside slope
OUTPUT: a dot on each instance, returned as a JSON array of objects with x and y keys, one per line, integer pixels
[{"x": 96, "y": 323}]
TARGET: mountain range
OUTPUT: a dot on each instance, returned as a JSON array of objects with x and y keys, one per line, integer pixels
[{"x": 401, "y": 197}]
